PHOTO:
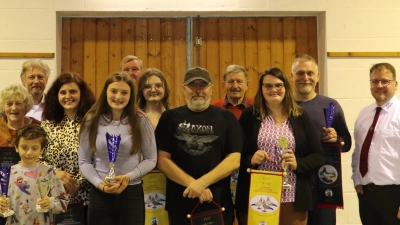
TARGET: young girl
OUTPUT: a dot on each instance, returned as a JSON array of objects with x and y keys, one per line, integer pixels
[
  {"x": 23, "y": 193},
  {"x": 153, "y": 94},
  {"x": 115, "y": 113},
  {"x": 275, "y": 114}
]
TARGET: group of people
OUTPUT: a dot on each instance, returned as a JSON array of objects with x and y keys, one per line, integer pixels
[{"x": 197, "y": 146}]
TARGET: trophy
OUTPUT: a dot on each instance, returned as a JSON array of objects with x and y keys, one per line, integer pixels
[
  {"x": 283, "y": 144},
  {"x": 328, "y": 111},
  {"x": 4, "y": 179},
  {"x": 113, "y": 142},
  {"x": 43, "y": 188}
]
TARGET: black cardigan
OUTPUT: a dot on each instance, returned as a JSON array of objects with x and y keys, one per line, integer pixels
[{"x": 309, "y": 155}]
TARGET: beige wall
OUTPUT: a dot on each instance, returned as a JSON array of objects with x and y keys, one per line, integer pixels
[{"x": 344, "y": 25}]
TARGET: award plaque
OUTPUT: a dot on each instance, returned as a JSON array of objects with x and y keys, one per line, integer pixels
[
  {"x": 4, "y": 179},
  {"x": 43, "y": 188},
  {"x": 113, "y": 142},
  {"x": 283, "y": 144}
]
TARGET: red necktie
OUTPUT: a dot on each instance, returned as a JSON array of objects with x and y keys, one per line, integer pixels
[{"x": 367, "y": 144}]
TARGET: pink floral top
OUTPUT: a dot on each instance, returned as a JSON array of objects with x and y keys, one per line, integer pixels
[{"x": 268, "y": 137}]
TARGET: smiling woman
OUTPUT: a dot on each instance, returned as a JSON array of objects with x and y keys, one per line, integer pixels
[
  {"x": 15, "y": 102},
  {"x": 114, "y": 137},
  {"x": 67, "y": 101}
]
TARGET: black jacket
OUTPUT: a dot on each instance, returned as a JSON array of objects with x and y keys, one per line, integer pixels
[{"x": 309, "y": 155}]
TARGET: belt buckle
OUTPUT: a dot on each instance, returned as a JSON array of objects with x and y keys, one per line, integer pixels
[{"x": 370, "y": 186}]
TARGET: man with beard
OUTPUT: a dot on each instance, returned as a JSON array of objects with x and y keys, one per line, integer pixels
[
  {"x": 375, "y": 159},
  {"x": 236, "y": 84},
  {"x": 34, "y": 76},
  {"x": 133, "y": 66},
  {"x": 199, "y": 146},
  {"x": 305, "y": 77}
]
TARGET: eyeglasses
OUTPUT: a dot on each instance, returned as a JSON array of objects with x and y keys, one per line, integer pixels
[
  {"x": 198, "y": 86},
  {"x": 269, "y": 87},
  {"x": 157, "y": 86},
  {"x": 384, "y": 83}
]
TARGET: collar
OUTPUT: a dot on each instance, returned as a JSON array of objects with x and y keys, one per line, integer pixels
[
  {"x": 389, "y": 104},
  {"x": 244, "y": 102}
]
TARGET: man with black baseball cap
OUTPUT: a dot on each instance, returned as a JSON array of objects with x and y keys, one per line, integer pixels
[{"x": 199, "y": 147}]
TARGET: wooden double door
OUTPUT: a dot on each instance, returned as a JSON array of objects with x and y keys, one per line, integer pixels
[{"x": 94, "y": 47}]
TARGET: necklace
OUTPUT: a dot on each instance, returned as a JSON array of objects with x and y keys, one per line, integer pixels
[{"x": 116, "y": 124}]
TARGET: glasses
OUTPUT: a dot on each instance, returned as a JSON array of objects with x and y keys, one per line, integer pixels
[
  {"x": 384, "y": 83},
  {"x": 197, "y": 86},
  {"x": 157, "y": 86},
  {"x": 269, "y": 87}
]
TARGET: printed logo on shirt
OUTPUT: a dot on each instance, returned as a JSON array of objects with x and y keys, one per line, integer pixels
[{"x": 196, "y": 139}]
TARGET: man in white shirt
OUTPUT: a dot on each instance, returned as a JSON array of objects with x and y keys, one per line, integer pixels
[
  {"x": 133, "y": 66},
  {"x": 376, "y": 173},
  {"x": 34, "y": 76}
]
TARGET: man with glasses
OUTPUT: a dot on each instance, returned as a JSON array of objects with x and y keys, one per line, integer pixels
[
  {"x": 375, "y": 162},
  {"x": 305, "y": 77},
  {"x": 133, "y": 66},
  {"x": 199, "y": 146},
  {"x": 235, "y": 84}
]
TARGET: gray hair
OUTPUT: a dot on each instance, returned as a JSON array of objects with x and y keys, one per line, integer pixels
[
  {"x": 129, "y": 58},
  {"x": 304, "y": 58},
  {"x": 34, "y": 63},
  {"x": 235, "y": 69},
  {"x": 16, "y": 91}
]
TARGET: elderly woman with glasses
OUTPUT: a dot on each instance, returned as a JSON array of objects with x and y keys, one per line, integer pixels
[
  {"x": 15, "y": 102},
  {"x": 274, "y": 115}
]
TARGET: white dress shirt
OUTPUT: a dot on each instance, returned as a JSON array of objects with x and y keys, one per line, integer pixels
[
  {"x": 384, "y": 153},
  {"x": 37, "y": 110}
]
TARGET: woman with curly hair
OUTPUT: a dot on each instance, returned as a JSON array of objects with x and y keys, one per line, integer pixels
[
  {"x": 15, "y": 102},
  {"x": 67, "y": 101}
]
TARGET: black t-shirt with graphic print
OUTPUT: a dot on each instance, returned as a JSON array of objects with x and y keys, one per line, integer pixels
[{"x": 198, "y": 142}]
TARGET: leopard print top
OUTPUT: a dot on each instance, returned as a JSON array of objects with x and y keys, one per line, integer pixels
[{"x": 62, "y": 153}]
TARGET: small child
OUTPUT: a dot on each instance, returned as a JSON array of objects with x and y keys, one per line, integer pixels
[{"x": 23, "y": 196}]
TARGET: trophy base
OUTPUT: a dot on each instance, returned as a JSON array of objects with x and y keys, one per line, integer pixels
[
  {"x": 110, "y": 179},
  {"x": 7, "y": 213},
  {"x": 286, "y": 186},
  {"x": 40, "y": 209}
]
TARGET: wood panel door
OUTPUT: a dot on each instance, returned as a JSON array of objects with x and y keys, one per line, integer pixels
[
  {"x": 256, "y": 43},
  {"x": 94, "y": 47}
]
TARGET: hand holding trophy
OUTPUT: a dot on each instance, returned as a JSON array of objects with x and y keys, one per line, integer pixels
[
  {"x": 113, "y": 142},
  {"x": 283, "y": 144},
  {"x": 4, "y": 180},
  {"x": 43, "y": 189}
]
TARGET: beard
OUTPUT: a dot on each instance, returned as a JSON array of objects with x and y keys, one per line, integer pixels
[{"x": 199, "y": 104}]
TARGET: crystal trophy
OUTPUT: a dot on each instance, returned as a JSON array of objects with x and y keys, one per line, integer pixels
[
  {"x": 43, "y": 189},
  {"x": 4, "y": 180},
  {"x": 113, "y": 142},
  {"x": 283, "y": 144}
]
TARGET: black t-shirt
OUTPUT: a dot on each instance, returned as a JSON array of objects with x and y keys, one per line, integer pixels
[{"x": 197, "y": 143}]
